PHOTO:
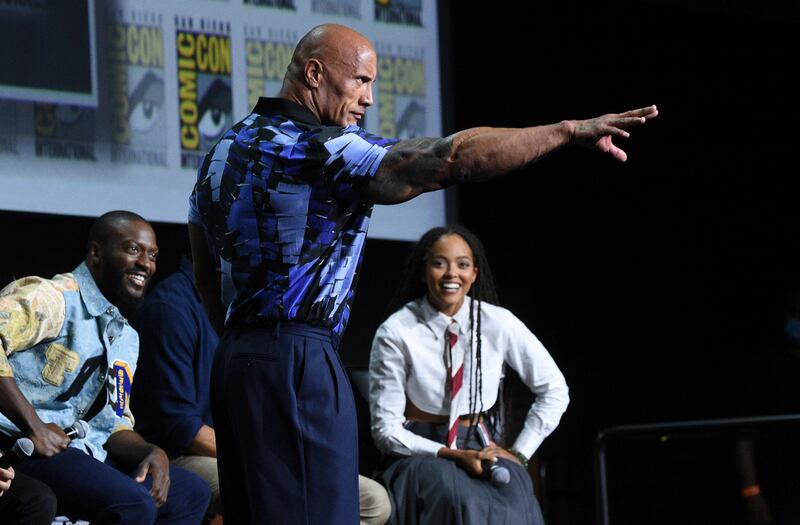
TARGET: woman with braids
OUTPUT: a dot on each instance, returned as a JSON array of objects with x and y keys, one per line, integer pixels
[{"x": 435, "y": 372}]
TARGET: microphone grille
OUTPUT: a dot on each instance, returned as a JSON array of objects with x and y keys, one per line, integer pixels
[
  {"x": 501, "y": 476},
  {"x": 24, "y": 447},
  {"x": 81, "y": 428}
]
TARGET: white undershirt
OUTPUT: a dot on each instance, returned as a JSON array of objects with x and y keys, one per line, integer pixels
[{"x": 407, "y": 361}]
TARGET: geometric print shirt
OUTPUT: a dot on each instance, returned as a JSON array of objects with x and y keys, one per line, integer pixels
[{"x": 278, "y": 199}]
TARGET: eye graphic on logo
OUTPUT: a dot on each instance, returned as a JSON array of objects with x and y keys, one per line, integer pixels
[
  {"x": 69, "y": 114},
  {"x": 215, "y": 110},
  {"x": 411, "y": 123},
  {"x": 146, "y": 102}
]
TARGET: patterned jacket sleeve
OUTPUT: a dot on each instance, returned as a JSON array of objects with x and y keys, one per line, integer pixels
[{"x": 32, "y": 310}]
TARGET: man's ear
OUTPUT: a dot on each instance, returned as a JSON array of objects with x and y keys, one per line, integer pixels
[
  {"x": 93, "y": 254},
  {"x": 313, "y": 72}
]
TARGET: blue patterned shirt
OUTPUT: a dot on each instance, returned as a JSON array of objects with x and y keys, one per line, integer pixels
[{"x": 278, "y": 199}]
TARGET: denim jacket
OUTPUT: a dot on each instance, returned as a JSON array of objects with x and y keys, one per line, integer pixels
[{"x": 67, "y": 346}]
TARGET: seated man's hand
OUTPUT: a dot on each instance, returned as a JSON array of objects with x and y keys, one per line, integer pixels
[
  {"x": 48, "y": 440},
  {"x": 6, "y": 475},
  {"x": 155, "y": 463}
]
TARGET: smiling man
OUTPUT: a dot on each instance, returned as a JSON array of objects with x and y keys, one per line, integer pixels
[{"x": 68, "y": 354}]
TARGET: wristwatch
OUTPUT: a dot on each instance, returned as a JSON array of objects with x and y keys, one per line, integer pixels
[{"x": 522, "y": 459}]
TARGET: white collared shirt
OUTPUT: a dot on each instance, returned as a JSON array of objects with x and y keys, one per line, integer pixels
[{"x": 407, "y": 361}]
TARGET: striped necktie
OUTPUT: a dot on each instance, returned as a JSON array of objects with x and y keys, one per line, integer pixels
[{"x": 455, "y": 369}]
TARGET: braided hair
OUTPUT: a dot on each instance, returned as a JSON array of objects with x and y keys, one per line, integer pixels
[{"x": 412, "y": 286}]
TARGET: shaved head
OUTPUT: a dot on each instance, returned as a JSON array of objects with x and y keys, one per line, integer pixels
[
  {"x": 327, "y": 43},
  {"x": 331, "y": 73},
  {"x": 104, "y": 228}
]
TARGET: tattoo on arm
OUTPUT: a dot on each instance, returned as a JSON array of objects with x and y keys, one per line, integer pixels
[{"x": 410, "y": 168}]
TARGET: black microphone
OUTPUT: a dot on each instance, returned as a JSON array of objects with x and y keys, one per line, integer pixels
[
  {"x": 77, "y": 430},
  {"x": 21, "y": 450},
  {"x": 498, "y": 474}
]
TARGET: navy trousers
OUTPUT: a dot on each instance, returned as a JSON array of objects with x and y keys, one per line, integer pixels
[
  {"x": 285, "y": 424},
  {"x": 91, "y": 490}
]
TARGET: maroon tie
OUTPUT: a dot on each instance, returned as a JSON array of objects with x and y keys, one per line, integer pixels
[{"x": 455, "y": 372}]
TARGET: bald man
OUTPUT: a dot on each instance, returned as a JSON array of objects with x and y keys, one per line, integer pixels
[{"x": 278, "y": 220}]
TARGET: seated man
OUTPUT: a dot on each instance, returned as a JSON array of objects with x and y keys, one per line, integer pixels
[
  {"x": 69, "y": 354},
  {"x": 171, "y": 398}
]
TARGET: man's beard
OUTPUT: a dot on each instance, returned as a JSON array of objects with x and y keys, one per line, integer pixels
[{"x": 126, "y": 303}]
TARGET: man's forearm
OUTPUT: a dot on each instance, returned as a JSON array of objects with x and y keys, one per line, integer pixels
[
  {"x": 209, "y": 294},
  {"x": 417, "y": 166},
  {"x": 204, "y": 443},
  {"x": 16, "y": 407},
  {"x": 483, "y": 153},
  {"x": 206, "y": 277},
  {"x": 47, "y": 438},
  {"x": 130, "y": 450},
  {"x": 127, "y": 447}
]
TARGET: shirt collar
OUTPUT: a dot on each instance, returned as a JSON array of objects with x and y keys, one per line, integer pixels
[
  {"x": 287, "y": 108},
  {"x": 93, "y": 298},
  {"x": 437, "y": 322}
]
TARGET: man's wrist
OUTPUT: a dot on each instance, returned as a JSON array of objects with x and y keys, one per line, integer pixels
[{"x": 568, "y": 128}]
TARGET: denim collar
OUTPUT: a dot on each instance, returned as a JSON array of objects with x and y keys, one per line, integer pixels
[{"x": 93, "y": 298}]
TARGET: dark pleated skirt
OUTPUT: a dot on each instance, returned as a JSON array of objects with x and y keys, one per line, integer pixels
[{"x": 436, "y": 491}]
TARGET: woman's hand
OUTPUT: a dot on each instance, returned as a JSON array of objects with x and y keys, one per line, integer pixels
[
  {"x": 470, "y": 460},
  {"x": 500, "y": 452}
]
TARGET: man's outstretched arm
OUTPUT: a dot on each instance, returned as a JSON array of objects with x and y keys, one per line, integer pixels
[{"x": 417, "y": 166}]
